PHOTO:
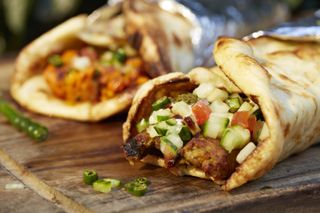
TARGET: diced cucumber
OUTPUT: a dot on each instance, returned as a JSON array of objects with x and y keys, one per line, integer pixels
[
  {"x": 219, "y": 106},
  {"x": 185, "y": 134},
  {"x": 160, "y": 115},
  {"x": 236, "y": 95},
  {"x": 152, "y": 132},
  {"x": 167, "y": 147},
  {"x": 161, "y": 128},
  {"x": 142, "y": 125},
  {"x": 264, "y": 134},
  {"x": 235, "y": 137},
  {"x": 245, "y": 106},
  {"x": 215, "y": 126},
  {"x": 181, "y": 108},
  {"x": 161, "y": 103},
  {"x": 176, "y": 140},
  {"x": 171, "y": 122},
  {"x": 217, "y": 94},
  {"x": 204, "y": 90},
  {"x": 245, "y": 152},
  {"x": 254, "y": 109},
  {"x": 258, "y": 114},
  {"x": 257, "y": 130},
  {"x": 233, "y": 103}
]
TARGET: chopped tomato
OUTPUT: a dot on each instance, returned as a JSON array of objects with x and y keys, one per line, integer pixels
[
  {"x": 89, "y": 52},
  {"x": 257, "y": 130},
  {"x": 201, "y": 111},
  {"x": 243, "y": 118},
  {"x": 252, "y": 122}
]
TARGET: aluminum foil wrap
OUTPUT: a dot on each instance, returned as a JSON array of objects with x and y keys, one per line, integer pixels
[
  {"x": 210, "y": 19},
  {"x": 307, "y": 29}
]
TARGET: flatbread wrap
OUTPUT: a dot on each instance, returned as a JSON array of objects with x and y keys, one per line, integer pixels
[
  {"x": 234, "y": 122},
  {"x": 89, "y": 67}
]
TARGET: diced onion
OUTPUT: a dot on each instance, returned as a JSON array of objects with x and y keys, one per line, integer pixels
[
  {"x": 181, "y": 108},
  {"x": 245, "y": 152},
  {"x": 176, "y": 140},
  {"x": 204, "y": 90},
  {"x": 81, "y": 63},
  {"x": 264, "y": 132},
  {"x": 14, "y": 186}
]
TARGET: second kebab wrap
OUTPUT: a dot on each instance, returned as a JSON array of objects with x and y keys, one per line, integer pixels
[
  {"x": 89, "y": 67},
  {"x": 232, "y": 123}
]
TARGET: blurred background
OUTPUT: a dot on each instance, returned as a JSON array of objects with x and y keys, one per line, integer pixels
[{"x": 21, "y": 21}]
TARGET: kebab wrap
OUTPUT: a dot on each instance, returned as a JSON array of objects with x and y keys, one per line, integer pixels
[
  {"x": 89, "y": 67},
  {"x": 234, "y": 122}
]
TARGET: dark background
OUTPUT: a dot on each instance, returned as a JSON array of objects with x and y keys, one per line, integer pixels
[{"x": 23, "y": 20}]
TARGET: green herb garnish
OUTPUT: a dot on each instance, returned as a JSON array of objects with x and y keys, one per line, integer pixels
[{"x": 188, "y": 98}]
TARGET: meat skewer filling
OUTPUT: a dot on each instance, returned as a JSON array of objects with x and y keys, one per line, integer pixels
[
  {"x": 93, "y": 74},
  {"x": 208, "y": 128}
]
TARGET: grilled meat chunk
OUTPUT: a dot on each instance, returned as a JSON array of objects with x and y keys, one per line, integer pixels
[
  {"x": 136, "y": 147},
  {"x": 207, "y": 155}
]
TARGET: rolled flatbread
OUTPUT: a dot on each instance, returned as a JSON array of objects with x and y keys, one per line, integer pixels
[
  {"x": 274, "y": 77},
  {"x": 105, "y": 29}
]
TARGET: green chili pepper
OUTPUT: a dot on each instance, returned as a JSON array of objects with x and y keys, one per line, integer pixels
[
  {"x": 142, "y": 180},
  {"x": 102, "y": 186},
  {"x": 55, "y": 60},
  {"x": 33, "y": 129},
  {"x": 114, "y": 182},
  {"x": 136, "y": 189},
  {"x": 89, "y": 176},
  {"x": 119, "y": 55}
]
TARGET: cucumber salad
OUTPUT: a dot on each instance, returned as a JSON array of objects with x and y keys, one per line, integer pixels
[{"x": 203, "y": 128}]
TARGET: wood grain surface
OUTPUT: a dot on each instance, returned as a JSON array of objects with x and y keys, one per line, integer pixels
[{"x": 292, "y": 186}]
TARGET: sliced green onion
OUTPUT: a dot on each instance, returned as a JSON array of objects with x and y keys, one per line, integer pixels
[
  {"x": 102, "y": 186},
  {"x": 55, "y": 60},
  {"x": 33, "y": 129},
  {"x": 89, "y": 177},
  {"x": 114, "y": 182}
]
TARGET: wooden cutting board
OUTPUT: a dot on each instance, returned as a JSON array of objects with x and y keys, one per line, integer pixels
[{"x": 292, "y": 186}]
